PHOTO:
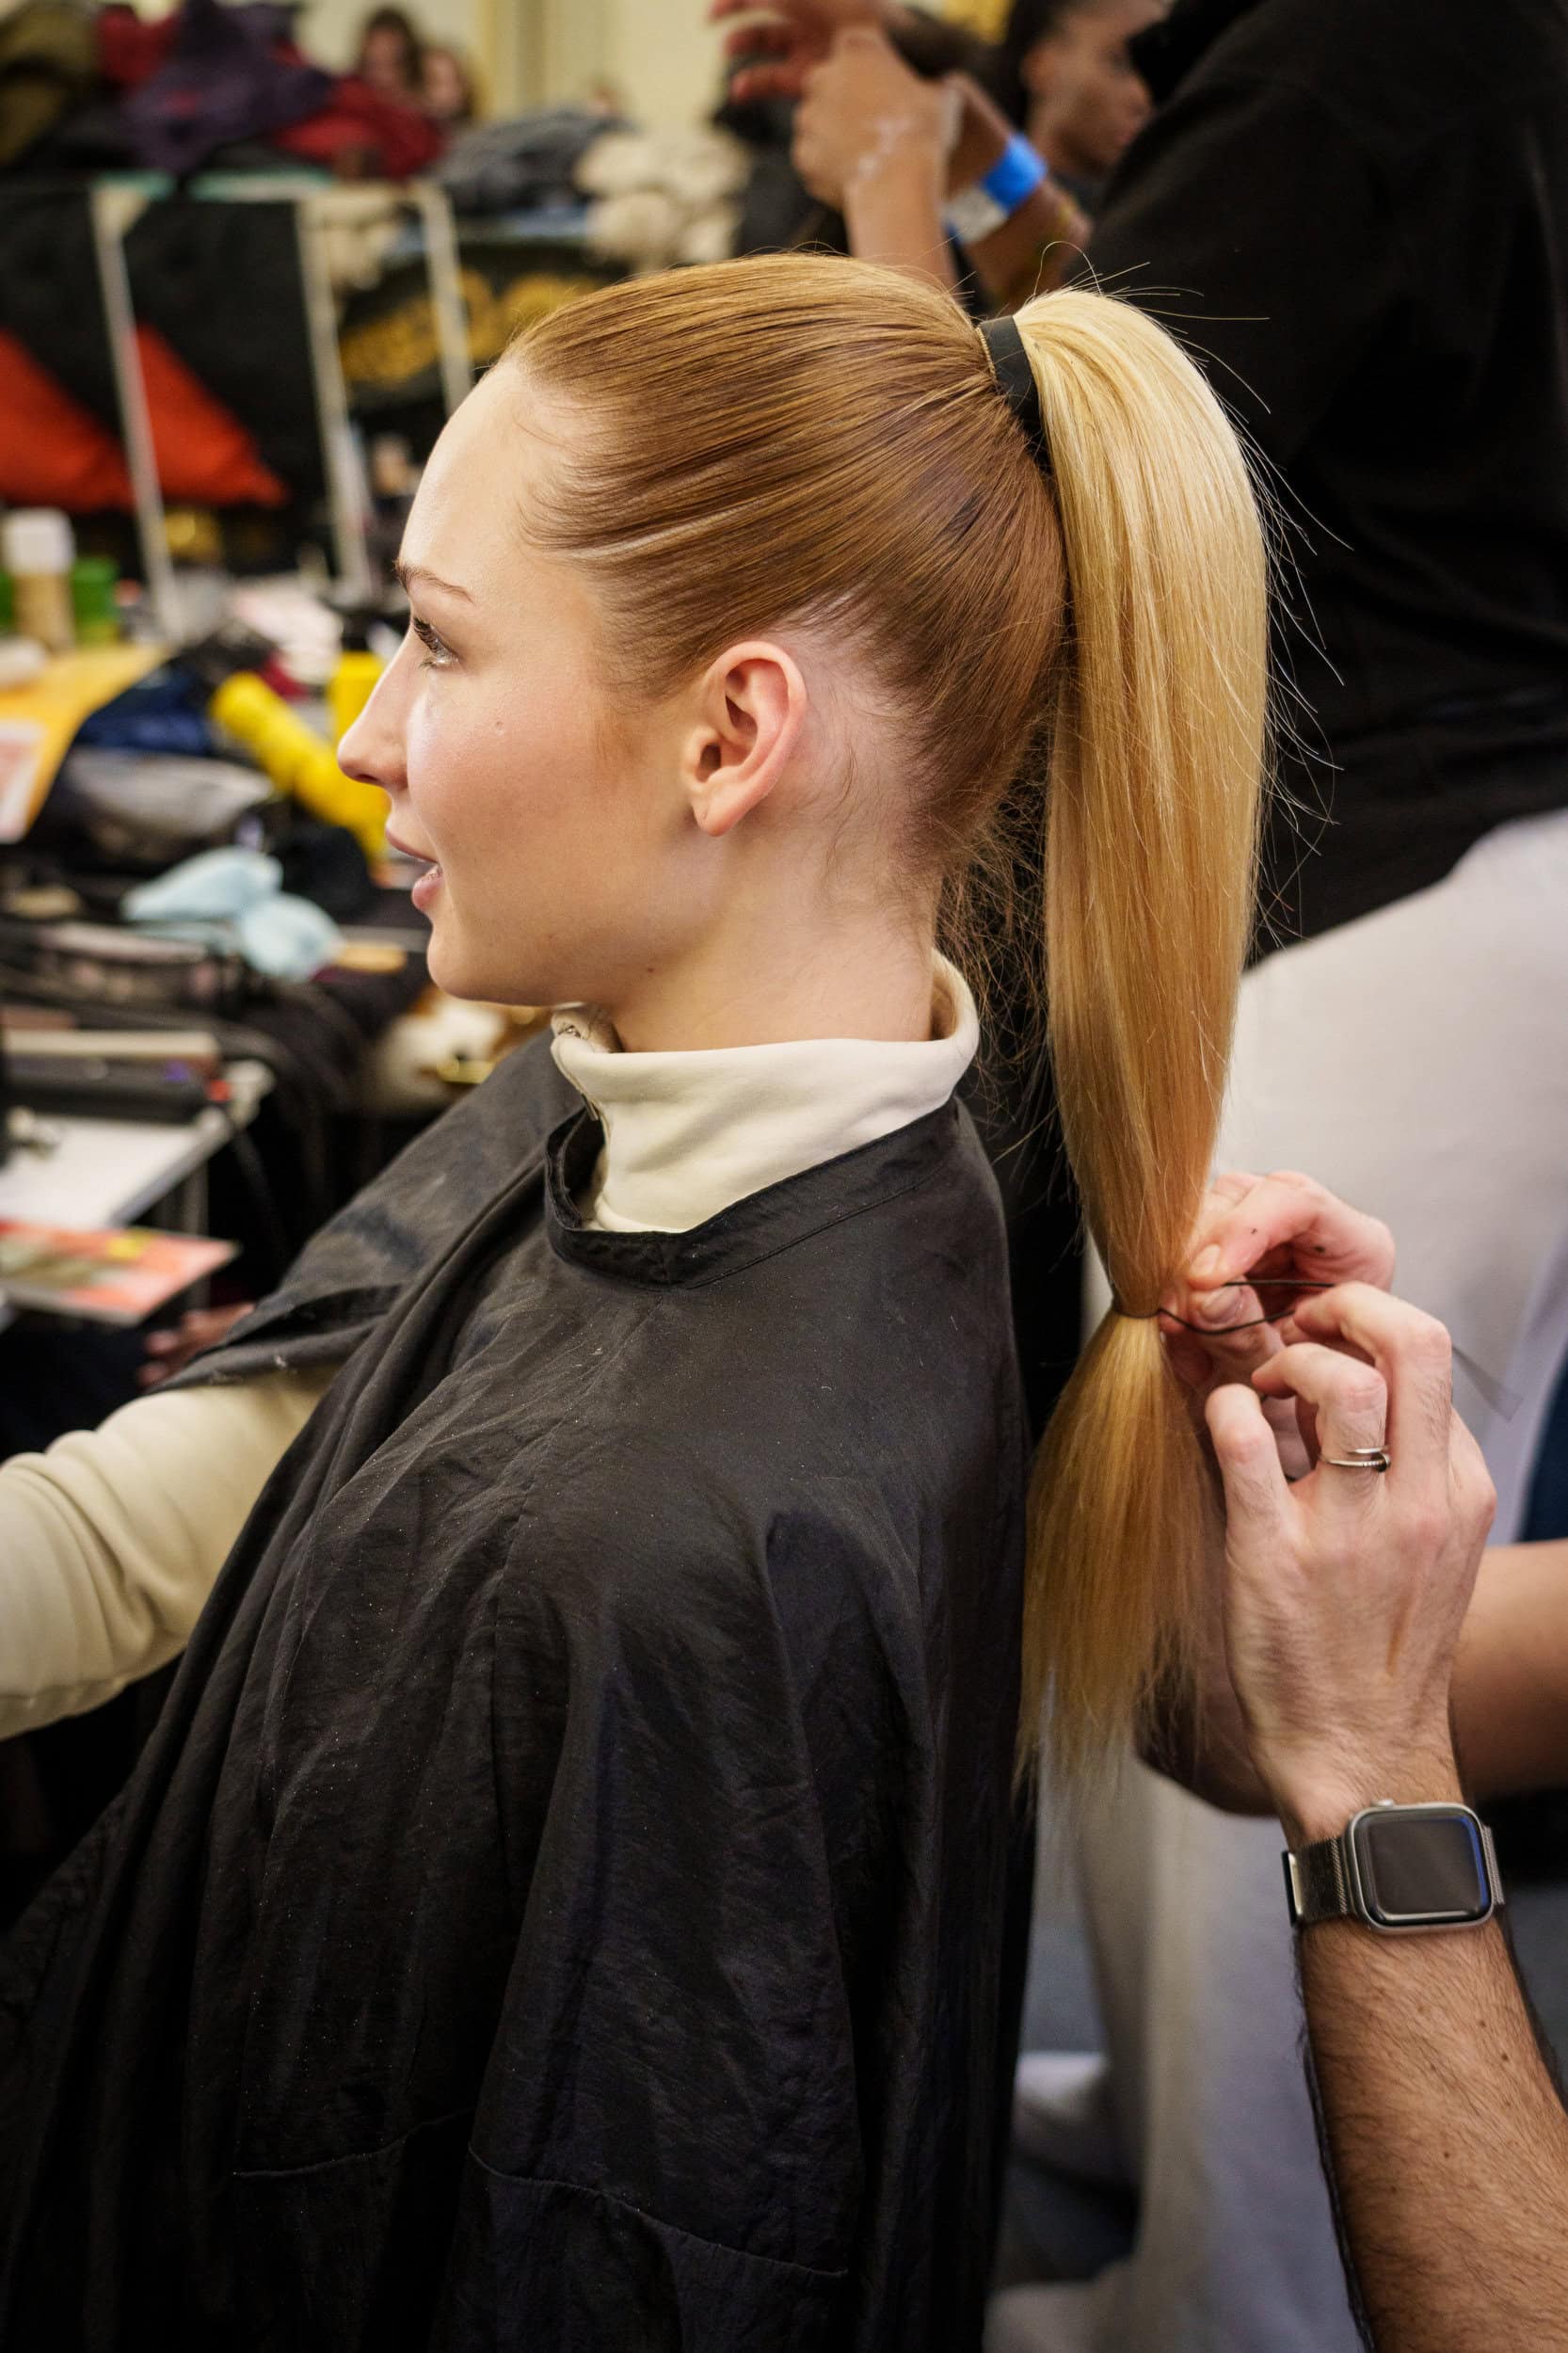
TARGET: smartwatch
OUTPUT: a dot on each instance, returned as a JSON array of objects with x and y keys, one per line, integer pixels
[{"x": 1400, "y": 1870}]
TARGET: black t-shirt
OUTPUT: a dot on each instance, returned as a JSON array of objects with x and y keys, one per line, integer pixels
[{"x": 1355, "y": 211}]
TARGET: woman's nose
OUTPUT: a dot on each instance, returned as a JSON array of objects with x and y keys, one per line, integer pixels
[{"x": 372, "y": 748}]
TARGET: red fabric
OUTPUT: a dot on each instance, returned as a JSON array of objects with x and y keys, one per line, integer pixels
[
  {"x": 55, "y": 452},
  {"x": 397, "y": 140},
  {"x": 205, "y": 455},
  {"x": 131, "y": 49}
]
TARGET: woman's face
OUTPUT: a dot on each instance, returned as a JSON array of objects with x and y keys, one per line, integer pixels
[
  {"x": 1089, "y": 101},
  {"x": 443, "y": 93},
  {"x": 551, "y": 805},
  {"x": 384, "y": 60}
]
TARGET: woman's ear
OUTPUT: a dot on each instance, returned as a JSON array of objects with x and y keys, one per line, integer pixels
[{"x": 751, "y": 708}]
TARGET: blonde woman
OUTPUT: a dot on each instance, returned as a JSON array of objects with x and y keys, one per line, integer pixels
[{"x": 560, "y": 1905}]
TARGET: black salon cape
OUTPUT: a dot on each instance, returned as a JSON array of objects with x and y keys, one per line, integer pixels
[{"x": 559, "y": 1906}]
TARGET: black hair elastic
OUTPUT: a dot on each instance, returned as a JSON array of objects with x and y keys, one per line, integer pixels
[
  {"x": 1224, "y": 1331},
  {"x": 1497, "y": 1393},
  {"x": 1016, "y": 385}
]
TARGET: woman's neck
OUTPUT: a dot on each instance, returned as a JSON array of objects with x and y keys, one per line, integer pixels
[
  {"x": 765, "y": 983},
  {"x": 687, "y": 1134}
]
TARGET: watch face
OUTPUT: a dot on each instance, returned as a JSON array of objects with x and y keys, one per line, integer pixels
[{"x": 1421, "y": 1866}]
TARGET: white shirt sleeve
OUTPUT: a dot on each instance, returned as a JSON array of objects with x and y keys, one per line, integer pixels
[{"x": 111, "y": 1541}]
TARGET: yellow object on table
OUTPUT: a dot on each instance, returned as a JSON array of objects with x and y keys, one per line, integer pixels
[
  {"x": 39, "y": 721},
  {"x": 298, "y": 761},
  {"x": 350, "y": 687}
]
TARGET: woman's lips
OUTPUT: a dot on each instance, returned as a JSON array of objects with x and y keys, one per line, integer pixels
[{"x": 429, "y": 882}]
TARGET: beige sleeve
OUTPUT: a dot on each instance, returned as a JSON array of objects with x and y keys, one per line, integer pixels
[{"x": 111, "y": 1541}]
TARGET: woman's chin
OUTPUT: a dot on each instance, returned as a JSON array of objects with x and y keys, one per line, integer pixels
[
  {"x": 456, "y": 972},
  {"x": 451, "y": 970}
]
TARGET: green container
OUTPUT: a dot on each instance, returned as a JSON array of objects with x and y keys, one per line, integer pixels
[
  {"x": 93, "y": 582},
  {"x": 8, "y": 605}
]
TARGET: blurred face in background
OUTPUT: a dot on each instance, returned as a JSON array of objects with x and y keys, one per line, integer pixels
[
  {"x": 1087, "y": 100},
  {"x": 386, "y": 60},
  {"x": 444, "y": 86}
]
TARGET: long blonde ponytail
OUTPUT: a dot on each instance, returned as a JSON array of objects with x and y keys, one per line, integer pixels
[
  {"x": 810, "y": 440},
  {"x": 1155, "y": 782}
]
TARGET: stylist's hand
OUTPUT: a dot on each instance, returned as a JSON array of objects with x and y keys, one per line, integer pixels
[
  {"x": 1344, "y": 1594},
  {"x": 1285, "y": 1229},
  {"x": 782, "y": 40},
  {"x": 862, "y": 114}
]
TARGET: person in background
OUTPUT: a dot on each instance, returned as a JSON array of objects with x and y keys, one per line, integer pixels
[
  {"x": 447, "y": 87},
  {"x": 390, "y": 56},
  {"x": 1065, "y": 74},
  {"x": 927, "y": 172},
  {"x": 941, "y": 172}
]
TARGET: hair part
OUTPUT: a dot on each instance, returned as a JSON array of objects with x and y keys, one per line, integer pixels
[{"x": 809, "y": 441}]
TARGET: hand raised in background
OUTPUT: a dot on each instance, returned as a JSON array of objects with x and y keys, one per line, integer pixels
[
  {"x": 785, "y": 38},
  {"x": 863, "y": 113}
]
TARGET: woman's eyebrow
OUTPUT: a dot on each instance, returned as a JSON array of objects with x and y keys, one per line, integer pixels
[{"x": 406, "y": 574}]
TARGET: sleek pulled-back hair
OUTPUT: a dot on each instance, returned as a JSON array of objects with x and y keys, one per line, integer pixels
[{"x": 802, "y": 440}]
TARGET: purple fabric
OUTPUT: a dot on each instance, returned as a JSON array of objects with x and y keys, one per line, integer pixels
[{"x": 222, "y": 82}]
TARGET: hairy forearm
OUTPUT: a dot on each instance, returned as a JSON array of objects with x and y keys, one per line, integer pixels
[
  {"x": 1447, "y": 2143},
  {"x": 1511, "y": 1676}
]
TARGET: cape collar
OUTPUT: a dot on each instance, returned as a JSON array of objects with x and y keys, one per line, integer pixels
[{"x": 687, "y": 1135}]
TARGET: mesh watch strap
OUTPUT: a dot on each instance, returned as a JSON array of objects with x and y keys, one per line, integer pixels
[{"x": 1316, "y": 1879}]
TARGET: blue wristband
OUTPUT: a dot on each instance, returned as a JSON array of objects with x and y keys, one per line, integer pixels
[{"x": 1015, "y": 175}]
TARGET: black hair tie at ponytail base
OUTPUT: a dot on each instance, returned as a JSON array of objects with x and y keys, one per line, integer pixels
[
  {"x": 1016, "y": 382},
  {"x": 1501, "y": 1399}
]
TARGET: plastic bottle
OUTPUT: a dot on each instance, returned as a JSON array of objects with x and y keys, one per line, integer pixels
[
  {"x": 93, "y": 582},
  {"x": 298, "y": 761},
  {"x": 353, "y": 681},
  {"x": 37, "y": 549}
]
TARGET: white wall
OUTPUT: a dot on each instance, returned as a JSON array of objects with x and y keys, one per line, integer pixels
[{"x": 663, "y": 59}]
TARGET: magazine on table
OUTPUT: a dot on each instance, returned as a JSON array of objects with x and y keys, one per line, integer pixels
[{"x": 110, "y": 1274}]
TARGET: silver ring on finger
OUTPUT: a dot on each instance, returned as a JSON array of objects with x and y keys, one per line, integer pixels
[{"x": 1363, "y": 1458}]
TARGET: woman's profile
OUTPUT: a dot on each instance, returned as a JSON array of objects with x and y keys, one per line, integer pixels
[{"x": 560, "y": 1904}]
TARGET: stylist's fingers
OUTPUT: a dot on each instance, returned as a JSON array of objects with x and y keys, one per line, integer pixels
[
  {"x": 1210, "y": 1331},
  {"x": 1349, "y": 1404},
  {"x": 1327, "y": 1240},
  {"x": 1412, "y": 1353},
  {"x": 1257, "y": 1495}
]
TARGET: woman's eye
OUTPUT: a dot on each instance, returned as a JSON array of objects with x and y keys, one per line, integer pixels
[{"x": 437, "y": 655}]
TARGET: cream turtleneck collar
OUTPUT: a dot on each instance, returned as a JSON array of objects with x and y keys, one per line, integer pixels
[{"x": 688, "y": 1134}]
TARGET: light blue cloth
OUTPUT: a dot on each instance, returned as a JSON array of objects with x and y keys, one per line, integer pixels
[{"x": 234, "y": 897}]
